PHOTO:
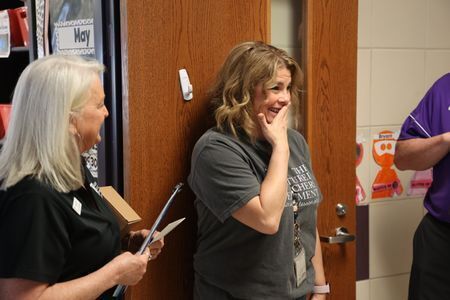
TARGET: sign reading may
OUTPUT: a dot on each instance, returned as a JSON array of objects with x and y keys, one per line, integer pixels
[{"x": 75, "y": 37}]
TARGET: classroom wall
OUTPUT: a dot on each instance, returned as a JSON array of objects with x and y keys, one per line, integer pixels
[{"x": 403, "y": 47}]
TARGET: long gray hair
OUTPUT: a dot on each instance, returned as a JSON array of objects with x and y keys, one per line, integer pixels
[{"x": 38, "y": 142}]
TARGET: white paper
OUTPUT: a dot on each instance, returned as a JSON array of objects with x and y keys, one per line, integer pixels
[
  {"x": 4, "y": 34},
  {"x": 167, "y": 229}
]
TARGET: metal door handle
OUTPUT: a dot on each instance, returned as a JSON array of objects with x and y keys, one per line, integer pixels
[{"x": 342, "y": 236}]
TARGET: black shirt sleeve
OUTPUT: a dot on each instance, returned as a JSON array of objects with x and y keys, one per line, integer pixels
[{"x": 35, "y": 237}]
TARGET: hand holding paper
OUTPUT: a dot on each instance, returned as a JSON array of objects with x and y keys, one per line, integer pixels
[
  {"x": 167, "y": 230},
  {"x": 149, "y": 239}
]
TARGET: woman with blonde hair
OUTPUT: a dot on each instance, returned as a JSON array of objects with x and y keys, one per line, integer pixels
[
  {"x": 256, "y": 195},
  {"x": 60, "y": 240}
]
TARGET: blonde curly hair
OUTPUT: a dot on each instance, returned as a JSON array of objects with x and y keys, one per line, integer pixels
[{"x": 247, "y": 65}]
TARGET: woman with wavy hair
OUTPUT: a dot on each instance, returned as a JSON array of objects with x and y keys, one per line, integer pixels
[{"x": 256, "y": 194}]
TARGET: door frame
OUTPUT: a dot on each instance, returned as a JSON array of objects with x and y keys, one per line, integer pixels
[{"x": 330, "y": 128}]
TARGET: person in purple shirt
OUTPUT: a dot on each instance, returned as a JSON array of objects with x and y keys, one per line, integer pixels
[{"x": 424, "y": 143}]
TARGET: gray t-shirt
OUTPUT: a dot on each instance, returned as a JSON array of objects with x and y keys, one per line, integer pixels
[{"x": 234, "y": 261}]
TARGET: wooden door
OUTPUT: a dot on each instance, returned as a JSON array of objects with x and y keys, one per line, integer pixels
[
  {"x": 331, "y": 48},
  {"x": 160, "y": 128}
]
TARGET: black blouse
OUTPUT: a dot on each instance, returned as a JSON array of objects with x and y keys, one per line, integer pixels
[{"x": 52, "y": 237}]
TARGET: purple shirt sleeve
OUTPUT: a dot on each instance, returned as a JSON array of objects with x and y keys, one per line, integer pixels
[{"x": 431, "y": 116}]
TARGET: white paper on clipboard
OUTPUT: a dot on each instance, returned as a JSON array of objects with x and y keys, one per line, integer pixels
[
  {"x": 120, "y": 289},
  {"x": 167, "y": 230}
]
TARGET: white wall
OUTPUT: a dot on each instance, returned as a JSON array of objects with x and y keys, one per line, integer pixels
[
  {"x": 285, "y": 19},
  {"x": 403, "y": 47}
]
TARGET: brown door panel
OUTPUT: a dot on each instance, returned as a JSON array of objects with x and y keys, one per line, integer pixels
[{"x": 160, "y": 128}]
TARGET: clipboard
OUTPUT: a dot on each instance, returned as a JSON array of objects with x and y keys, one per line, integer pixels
[{"x": 120, "y": 289}]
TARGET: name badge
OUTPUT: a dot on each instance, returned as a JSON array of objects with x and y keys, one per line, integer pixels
[
  {"x": 76, "y": 205},
  {"x": 300, "y": 267}
]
